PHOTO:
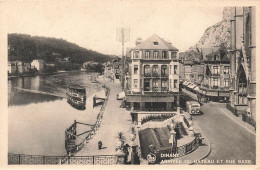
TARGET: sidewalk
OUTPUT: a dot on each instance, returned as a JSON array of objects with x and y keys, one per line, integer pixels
[
  {"x": 115, "y": 119},
  {"x": 199, "y": 154}
]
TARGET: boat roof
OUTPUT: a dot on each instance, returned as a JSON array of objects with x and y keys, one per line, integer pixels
[
  {"x": 192, "y": 102},
  {"x": 78, "y": 87}
]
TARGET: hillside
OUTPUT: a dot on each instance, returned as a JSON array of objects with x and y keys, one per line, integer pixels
[
  {"x": 214, "y": 36},
  {"x": 27, "y": 48}
]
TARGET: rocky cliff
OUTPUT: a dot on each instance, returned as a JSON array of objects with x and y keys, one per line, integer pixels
[
  {"x": 214, "y": 36},
  {"x": 217, "y": 34}
]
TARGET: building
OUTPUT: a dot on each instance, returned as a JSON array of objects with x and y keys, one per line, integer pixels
[
  {"x": 116, "y": 68},
  {"x": 20, "y": 67},
  {"x": 154, "y": 78},
  {"x": 187, "y": 67},
  {"x": 11, "y": 68},
  {"x": 38, "y": 65},
  {"x": 108, "y": 70},
  {"x": 216, "y": 79},
  {"x": 243, "y": 59},
  {"x": 27, "y": 67}
]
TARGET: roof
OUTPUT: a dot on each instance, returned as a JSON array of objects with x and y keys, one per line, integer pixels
[
  {"x": 149, "y": 44},
  {"x": 192, "y": 102}
]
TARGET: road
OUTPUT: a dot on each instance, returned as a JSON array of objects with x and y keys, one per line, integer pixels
[{"x": 230, "y": 141}]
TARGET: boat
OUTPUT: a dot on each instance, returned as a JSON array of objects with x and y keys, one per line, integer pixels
[
  {"x": 76, "y": 96},
  {"x": 76, "y": 91},
  {"x": 76, "y": 103}
]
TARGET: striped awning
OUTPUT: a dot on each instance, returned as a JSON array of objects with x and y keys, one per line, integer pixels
[
  {"x": 197, "y": 88},
  {"x": 191, "y": 86}
]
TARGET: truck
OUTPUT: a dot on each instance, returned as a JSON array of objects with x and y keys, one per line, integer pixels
[{"x": 193, "y": 107}]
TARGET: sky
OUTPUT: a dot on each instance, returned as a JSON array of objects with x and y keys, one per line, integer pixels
[{"x": 93, "y": 24}]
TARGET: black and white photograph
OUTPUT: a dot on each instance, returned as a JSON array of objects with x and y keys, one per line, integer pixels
[{"x": 120, "y": 82}]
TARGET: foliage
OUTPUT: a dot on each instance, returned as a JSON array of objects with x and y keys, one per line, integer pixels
[
  {"x": 160, "y": 117},
  {"x": 27, "y": 48}
]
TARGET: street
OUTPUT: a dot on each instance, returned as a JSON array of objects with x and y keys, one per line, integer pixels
[{"x": 230, "y": 141}]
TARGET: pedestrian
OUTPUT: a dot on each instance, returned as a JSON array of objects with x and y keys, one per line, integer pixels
[{"x": 99, "y": 145}]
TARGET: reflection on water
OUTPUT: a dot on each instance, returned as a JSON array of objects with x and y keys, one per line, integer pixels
[{"x": 37, "y": 117}]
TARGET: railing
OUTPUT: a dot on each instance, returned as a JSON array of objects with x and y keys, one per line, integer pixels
[
  {"x": 184, "y": 149},
  {"x": 164, "y": 75},
  {"x": 215, "y": 87},
  {"x": 95, "y": 127},
  {"x": 16, "y": 159},
  {"x": 155, "y": 74},
  {"x": 147, "y": 74}
]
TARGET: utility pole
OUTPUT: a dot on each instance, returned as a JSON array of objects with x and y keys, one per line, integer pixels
[{"x": 123, "y": 35}]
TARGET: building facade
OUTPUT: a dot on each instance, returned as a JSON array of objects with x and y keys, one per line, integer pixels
[
  {"x": 154, "y": 76},
  {"x": 243, "y": 58},
  {"x": 38, "y": 65},
  {"x": 216, "y": 79}
]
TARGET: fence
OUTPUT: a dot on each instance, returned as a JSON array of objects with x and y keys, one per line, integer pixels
[{"x": 16, "y": 159}]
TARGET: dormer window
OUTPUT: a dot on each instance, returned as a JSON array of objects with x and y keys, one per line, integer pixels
[{"x": 155, "y": 43}]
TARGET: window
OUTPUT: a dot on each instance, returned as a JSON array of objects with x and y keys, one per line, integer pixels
[
  {"x": 170, "y": 72},
  {"x": 174, "y": 55},
  {"x": 155, "y": 43},
  {"x": 215, "y": 69},
  {"x": 226, "y": 69},
  {"x": 215, "y": 82},
  {"x": 155, "y": 69},
  {"x": 135, "y": 69},
  {"x": 164, "y": 70},
  {"x": 226, "y": 82},
  {"x": 164, "y": 55},
  {"x": 155, "y": 54},
  {"x": 146, "y": 70},
  {"x": 136, "y": 54},
  {"x": 135, "y": 82},
  {"x": 164, "y": 85},
  {"x": 175, "y": 84},
  {"x": 147, "y": 54},
  {"x": 170, "y": 83},
  {"x": 175, "y": 69},
  {"x": 155, "y": 85},
  {"x": 141, "y": 84}
]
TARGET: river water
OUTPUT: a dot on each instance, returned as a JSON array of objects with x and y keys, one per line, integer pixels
[{"x": 38, "y": 112}]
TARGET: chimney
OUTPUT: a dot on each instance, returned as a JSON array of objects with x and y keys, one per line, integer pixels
[{"x": 138, "y": 41}]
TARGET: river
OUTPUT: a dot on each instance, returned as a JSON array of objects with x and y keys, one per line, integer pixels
[{"x": 38, "y": 112}]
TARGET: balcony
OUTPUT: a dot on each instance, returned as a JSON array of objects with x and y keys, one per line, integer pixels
[
  {"x": 215, "y": 74},
  {"x": 147, "y": 75},
  {"x": 155, "y": 89},
  {"x": 164, "y": 75},
  {"x": 215, "y": 87},
  {"x": 164, "y": 89},
  {"x": 155, "y": 74}
]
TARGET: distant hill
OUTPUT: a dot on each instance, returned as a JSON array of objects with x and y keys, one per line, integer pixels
[{"x": 27, "y": 48}]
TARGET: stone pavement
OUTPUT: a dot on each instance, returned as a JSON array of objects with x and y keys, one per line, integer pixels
[{"x": 115, "y": 119}]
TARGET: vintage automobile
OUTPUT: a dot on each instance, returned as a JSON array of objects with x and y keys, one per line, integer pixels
[{"x": 193, "y": 107}]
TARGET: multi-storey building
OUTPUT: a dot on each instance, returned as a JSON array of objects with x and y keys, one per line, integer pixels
[
  {"x": 243, "y": 58},
  {"x": 216, "y": 79},
  {"x": 38, "y": 65},
  {"x": 154, "y": 76}
]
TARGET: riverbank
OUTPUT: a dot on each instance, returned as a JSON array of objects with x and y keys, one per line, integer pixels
[{"x": 115, "y": 119}]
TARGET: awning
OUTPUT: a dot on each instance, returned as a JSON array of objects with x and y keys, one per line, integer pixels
[
  {"x": 197, "y": 88},
  {"x": 224, "y": 94},
  {"x": 121, "y": 95},
  {"x": 191, "y": 86},
  {"x": 184, "y": 83},
  {"x": 210, "y": 93}
]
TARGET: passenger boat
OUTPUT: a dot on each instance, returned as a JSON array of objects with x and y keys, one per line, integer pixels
[
  {"x": 76, "y": 97},
  {"x": 76, "y": 91}
]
